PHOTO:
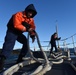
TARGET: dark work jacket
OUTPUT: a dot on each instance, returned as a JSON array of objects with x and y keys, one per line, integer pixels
[{"x": 53, "y": 40}]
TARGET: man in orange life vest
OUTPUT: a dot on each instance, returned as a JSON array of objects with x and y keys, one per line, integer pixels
[{"x": 20, "y": 22}]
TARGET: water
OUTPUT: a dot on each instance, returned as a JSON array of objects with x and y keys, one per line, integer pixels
[{"x": 11, "y": 59}]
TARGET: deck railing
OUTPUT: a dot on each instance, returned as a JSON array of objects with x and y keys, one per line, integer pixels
[{"x": 69, "y": 42}]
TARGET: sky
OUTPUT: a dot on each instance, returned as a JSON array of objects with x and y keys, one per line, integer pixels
[{"x": 50, "y": 13}]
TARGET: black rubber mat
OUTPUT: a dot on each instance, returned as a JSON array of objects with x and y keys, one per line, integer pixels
[{"x": 59, "y": 69}]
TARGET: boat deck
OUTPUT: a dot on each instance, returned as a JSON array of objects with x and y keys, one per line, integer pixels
[
  {"x": 57, "y": 69},
  {"x": 64, "y": 68},
  {"x": 61, "y": 69}
]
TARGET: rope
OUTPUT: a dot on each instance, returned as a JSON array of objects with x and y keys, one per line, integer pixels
[
  {"x": 46, "y": 65},
  {"x": 38, "y": 41}
]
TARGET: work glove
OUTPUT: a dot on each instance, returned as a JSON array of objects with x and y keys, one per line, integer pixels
[
  {"x": 33, "y": 38},
  {"x": 32, "y": 35},
  {"x": 26, "y": 25},
  {"x": 59, "y": 38}
]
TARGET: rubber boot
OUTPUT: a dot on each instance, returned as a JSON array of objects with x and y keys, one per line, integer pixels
[{"x": 2, "y": 61}]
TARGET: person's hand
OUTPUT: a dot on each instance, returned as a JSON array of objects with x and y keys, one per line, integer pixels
[
  {"x": 26, "y": 25},
  {"x": 32, "y": 34},
  {"x": 59, "y": 38},
  {"x": 33, "y": 38},
  {"x": 30, "y": 30}
]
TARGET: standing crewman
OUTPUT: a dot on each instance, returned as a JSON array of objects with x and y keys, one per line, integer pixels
[{"x": 53, "y": 39}]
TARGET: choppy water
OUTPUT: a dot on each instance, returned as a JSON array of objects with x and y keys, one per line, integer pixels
[{"x": 12, "y": 58}]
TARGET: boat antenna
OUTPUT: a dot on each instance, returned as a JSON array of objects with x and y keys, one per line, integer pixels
[{"x": 57, "y": 32}]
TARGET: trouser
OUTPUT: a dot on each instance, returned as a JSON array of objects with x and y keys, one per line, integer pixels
[
  {"x": 53, "y": 46},
  {"x": 9, "y": 43}
]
